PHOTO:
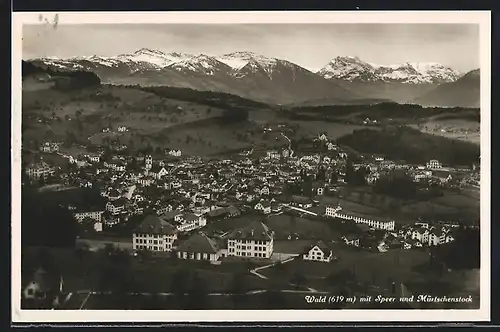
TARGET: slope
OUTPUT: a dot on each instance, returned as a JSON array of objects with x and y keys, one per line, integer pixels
[{"x": 465, "y": 92}]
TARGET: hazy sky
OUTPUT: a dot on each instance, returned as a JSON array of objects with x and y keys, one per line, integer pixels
[{"x": 309, "y": 45}]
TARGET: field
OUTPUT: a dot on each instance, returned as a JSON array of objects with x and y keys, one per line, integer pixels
[
  {"x": 452, "y": 204},
  {"x": 363, "y": 268},
  {"x": 285, "y": 225},
  {"x": 194, "y": 127},
  {"x": 412, "y": 146},
  {"x": 97, "y": 108},
  {"x": 157, "y": 121},
  {"x": 153, "y": 275},
  {"x": 333, "y": 130},
  {"x": 461, "y": 129}
]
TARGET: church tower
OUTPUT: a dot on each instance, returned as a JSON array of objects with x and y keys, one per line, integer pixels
[{"x": 149, "y": 162}]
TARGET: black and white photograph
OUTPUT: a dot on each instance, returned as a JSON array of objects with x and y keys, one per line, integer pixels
[{"x": 246, "y": 167}]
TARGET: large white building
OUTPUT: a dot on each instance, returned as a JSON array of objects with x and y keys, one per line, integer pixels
[
  {"x": 49, "y": 147},
  {"x": 154, "y": 234},
  {"x": 331, "y": 211},
  {"x": 273, "y": 154},
  {"x": 378, "y": 223},
  {"x": 434, "y": 164},
  {"x": 95, "y": 214},
  {"x": 253, "y": 240}
]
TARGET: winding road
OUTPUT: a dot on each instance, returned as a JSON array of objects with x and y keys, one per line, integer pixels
[
  {"x": 254, "y": 272},
  {"x": 289, "y": 144}
]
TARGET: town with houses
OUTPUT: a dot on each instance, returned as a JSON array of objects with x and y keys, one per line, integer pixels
[
  {"x": 241, "y": 206},
  {"x": 182, "y": 195}
]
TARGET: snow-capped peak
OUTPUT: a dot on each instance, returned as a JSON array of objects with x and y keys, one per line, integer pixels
[
  {"x": 351, "y": 68},
  {"x": 238, "y": 60},
  {"x": 348, "y": 68},
  {"x": 155, "y": 57},
  {"x": 201, "y": 63},
  {"x": 149, "y": 51}
]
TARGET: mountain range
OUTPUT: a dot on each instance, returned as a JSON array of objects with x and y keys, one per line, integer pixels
[
  {"x": 464, "y": 92},
  {"x": 266, "y": 79}
]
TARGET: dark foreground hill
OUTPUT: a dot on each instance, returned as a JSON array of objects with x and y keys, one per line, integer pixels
[{"x": 58, "y": 79}]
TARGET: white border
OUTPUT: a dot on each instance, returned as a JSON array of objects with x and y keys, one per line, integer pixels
[{"x": 97, "y": 316}]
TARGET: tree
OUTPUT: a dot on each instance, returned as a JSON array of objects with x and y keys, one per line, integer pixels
[
  {"x": 109, "y": 249},
  {"x": 340, "y": 278},
  {"x": 394, "y": 205},
  {"x": 198, "y": 294},
  {"x": 462, "y": 253},
  {"x": 307, "y": 188},
  {"x": 82, "y": 251},
  {"x": 321, "y": 174},
  {"x": 350, "y": 175},
  {"x": 334, "y": 178},
  {"x": 399, "y": 185},
  {"x": 298, "y": 279},
  {"x": 40, "y": 217},
  {"x": 238, "y": 289},
  {"x": 179, "y": 285},
  {"x": 46, "y": 260}
]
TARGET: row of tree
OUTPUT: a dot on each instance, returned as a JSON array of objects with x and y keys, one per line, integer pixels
[{"x": 412, "y": 146}]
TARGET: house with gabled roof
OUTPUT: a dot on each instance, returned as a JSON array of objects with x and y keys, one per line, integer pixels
[
  {"x": 175, "y": 215},
  {"x": 323, "y": 137},
  {"x": 43, "y": 290},
  {"x": 253, "y": 240},
  {"x": 162, "y": 208},
  {"x": 351, "y": 239},
  {"x": 199, "y": 247},
  {"x": 157, "y": 172},
  {"x": 301, "y": 201},
  {"x": 154, "y": 234},
  {"x": 318, "y": 252},
  {"x": 37, "y": 170},
  {"x": 264, "y": 206},
  {"x": 116, "y": 207},
  {"x": 190, "y": 221}
]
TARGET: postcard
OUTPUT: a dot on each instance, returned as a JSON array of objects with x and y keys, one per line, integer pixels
[{"x": 251, "y": 166}]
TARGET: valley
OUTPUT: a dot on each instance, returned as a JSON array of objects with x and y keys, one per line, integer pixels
[
  {"x": 264, "y": 167},
  {"x": 250, "y": 161}
]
